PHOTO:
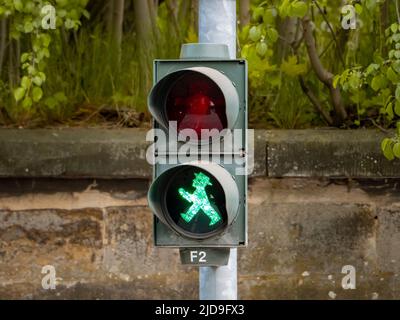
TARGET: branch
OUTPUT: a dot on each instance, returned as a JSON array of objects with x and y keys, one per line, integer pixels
[
  {"x": 119, "y": 7},
  {"x": 378, "y": 126},
  {"x": 244, "y": 13},
  {"x": 172, "y": 10},
  {"x": 110, "y": 16},
  {"x": 332, "y": 32},
  {"x": 323, "y": 75},
  {"x": 397, "y": 10},
  {"x": 314, "y": 100}
]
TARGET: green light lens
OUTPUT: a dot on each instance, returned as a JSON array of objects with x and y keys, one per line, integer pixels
[
  {"x": 199, "y": 200},
  {"x": 195, "y": 202}
]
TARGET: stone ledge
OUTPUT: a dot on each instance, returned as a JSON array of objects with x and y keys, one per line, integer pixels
[
  {"x": 121, "y": 154},
  {"x": 74, "y": 153},
  {"x": 328, "y": 153}
]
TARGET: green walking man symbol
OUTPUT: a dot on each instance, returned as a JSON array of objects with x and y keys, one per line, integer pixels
[{"x": 199, "y": 200}]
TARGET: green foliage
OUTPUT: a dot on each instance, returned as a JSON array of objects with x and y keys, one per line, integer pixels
[
  {"x": 294, "y": 8},
  {"x": 376, "y": 88},
  {"x": 366, "y": 61},
  {"x": 273, "y": 73},
  {"x": 25, "y": 25},
  {"x": 377, "y": 85},
  {"x": 78, "y": 69},
  {"x": 391, "y": 146}
]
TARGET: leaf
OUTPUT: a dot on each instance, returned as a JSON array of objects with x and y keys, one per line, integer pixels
[
  {"x": 24, "y": 57},
  {"x": 42, "y": 76},
  {"x": 60, "y": 96},
  {"x": 269, "y": 16},
  {"x": 62, "y": 3},
  {"x": 394, "y": 27},
  {"x": 61, "y": 13},
  {"x": 19, "y": 94},
  {"x": 398, "y": 93},
  {"x": 396, "y": 150},
  {"x": 397, "y": 108},
  {"x": 392, "y": 76},
  {"x": 359, "y": 8},
  {"x": 191, "y": 36},
  {"x": 354, "y": 81},
  {"x": 69, "y": 24},
  {"x": 389, "y": 110},
  {"x": 378, "y": 82},
  {"x": 25, "y": 82},
  {"x": 396, "y": 37},
  {"x": 261, "y": 48},
  {"x": 396, "y": 66},
  {"x": 37, "y": 81},
  {"x": 86, "y": 14},
  {"x": 18, "y": 5},
  {"x": 284, "y": 8},
  {"x": 46, "y": 53},
  {"x": 372, "y": 68},
  {"x": 254, "y": 34},
  {"x": 51, "y": 102},
  {"x": 298, "y": 9},
  {"x": 29, "y": 7},
  {"x": 385, "y": 143},
  {"x": 387, "y": 149},
  {"x": 258, "y": 13},
  {"x": 371, "y": 4},
  {"x": 28, "y": 27},
  {"x": 272, "y": 34},
  {"x": 37, "y": 94},
  {"x": 46, "y": 39},
  {"x": 27, "y": 103},
  {"x": 336, "y": 81},
  {"x": 245, "y": 51}
]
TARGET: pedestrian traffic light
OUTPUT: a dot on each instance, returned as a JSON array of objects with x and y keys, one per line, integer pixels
[{"x": 199, "y": 199}]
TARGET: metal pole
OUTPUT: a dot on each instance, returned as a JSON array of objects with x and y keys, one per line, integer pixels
[{"x": 217, "y": 24}]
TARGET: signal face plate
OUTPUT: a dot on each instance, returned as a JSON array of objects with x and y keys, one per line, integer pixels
[{"x": 200, "y": 204}]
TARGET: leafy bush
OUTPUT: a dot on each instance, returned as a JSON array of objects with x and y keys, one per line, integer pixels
[
  {"x": 345, "y": 63},
  {"x": 90, "y": 62},
  {"x": 29, "y": 49}
]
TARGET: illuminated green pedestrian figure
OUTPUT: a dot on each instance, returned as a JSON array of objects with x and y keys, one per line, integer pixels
[{"x": 199, "y": 200}]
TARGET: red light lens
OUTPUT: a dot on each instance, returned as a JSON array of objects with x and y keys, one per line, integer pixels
[{"x": 196, "y": 102}]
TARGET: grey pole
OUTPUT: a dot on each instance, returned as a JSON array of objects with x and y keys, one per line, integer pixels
[{"x": 217, "y": 24}]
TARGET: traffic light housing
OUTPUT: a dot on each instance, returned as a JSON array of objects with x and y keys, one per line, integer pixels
[{"x": 200, "y": 200}]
